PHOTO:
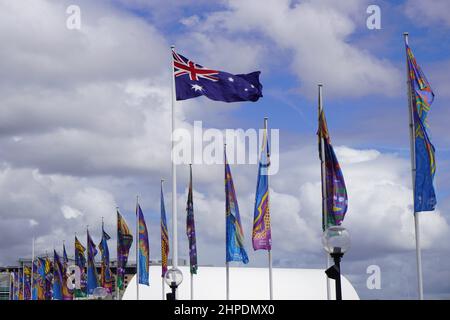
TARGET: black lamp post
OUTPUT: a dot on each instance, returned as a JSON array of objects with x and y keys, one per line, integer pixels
[
  {"x": 336, "y": 241},
  {"x": 173, "y": 279}
]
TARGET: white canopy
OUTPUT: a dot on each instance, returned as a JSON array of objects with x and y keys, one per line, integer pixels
[{"x": 245, "y": 284}]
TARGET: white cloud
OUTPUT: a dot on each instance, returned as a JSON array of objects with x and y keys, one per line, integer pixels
[
  {"x": 316, "y": 36},
  {"x": 429, "y": 12}
]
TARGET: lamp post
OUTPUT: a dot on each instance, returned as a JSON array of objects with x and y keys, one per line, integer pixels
[
  {"x": 173, "y": 278},
  {"x": 336, "y": 241}
]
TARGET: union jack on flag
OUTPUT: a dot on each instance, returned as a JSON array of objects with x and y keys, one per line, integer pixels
[{"x": 193, "y": 80}]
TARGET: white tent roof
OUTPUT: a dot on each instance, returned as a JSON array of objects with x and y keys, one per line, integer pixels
[{"x": 245, "y": 284}]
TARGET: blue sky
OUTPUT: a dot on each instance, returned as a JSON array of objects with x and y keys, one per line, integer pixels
[{"x": 84, "y": 124}]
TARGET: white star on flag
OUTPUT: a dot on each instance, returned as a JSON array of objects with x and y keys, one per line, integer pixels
[
  {"x": 197, "y": 87},
  {"x": 230, "y": 79}
]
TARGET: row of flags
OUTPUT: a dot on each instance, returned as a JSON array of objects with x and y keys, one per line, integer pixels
[{"x": 46, "y": 279}]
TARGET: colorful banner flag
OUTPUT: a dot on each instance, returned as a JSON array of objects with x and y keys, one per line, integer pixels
[
  {"x": 92, "y": 278},
  {"x": 80, "y": 261},
  {"x": 57, "y": 277},
  {"x": 190, "y": 227},
  {"x": 27, "y": 282},
  {"x": 235, "y": 250},
  {"x": 336, "y": 192},
  {"x": 164, "y": 237},
  {"x": 20, "y": 291},
  {"x": 106, "y": 279},
  {"x": 67, "y": 294},
  {"x": 34, "y": 284},
  {"x": 41, "y": 278},
  {"x": 422, "y": 97},
  {"x": 144, "y": 252},
  {"x": 124, "y": 242},
  {"x": 192, "y": 80},
  {"x": 262, "y": 236}
]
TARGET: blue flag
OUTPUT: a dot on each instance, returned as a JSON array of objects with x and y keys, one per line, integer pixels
[
  {"x": 144, "y": 251},
  {"x": 192, "y": 80},
  {"x": 92, "y": 278},
  {"x": 234, "y": 234},
  {"x": 57, "y": 277},
  {"x": 421, "y": 98}
]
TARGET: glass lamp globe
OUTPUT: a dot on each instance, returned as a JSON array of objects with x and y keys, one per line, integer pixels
[
  {"x": 173, "y": 276},
  {"x": 100, "y": 293},
  {"x": 336, "y": 239}
]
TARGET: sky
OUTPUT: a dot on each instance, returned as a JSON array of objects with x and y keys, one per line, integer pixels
[{"x": 85, "y": 126}]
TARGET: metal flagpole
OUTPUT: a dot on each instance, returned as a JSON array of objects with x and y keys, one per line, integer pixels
[
  {"x": 227, "y": 264},
  {"x": 137, "y": 248},
  {"x": 228, "y": 279},
  {"x": 269, "y": 252},
  {"x": 324, "y": 187},
  {"x": 192, "y": 286},
  {"x": 117, "y": 255},
  {"x": 174, "y": 177},
  {"x": 413, "y": 173},
  {"x": 23, "y": 280},
  {"x": 32, "y": 269},
  {"x": 163, "y": 289}
]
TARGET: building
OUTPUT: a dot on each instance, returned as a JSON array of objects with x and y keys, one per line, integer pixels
[{"x": 245, "y": 284}]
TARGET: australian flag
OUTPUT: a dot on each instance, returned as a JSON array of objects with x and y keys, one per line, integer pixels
[{"x": 193, "y": 80}]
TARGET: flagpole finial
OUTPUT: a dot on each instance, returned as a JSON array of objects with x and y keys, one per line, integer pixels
[
  {"x": 406, "y": 36},
  {"x": 320, "y": 85},
  {"x": 172, "y": 47}
]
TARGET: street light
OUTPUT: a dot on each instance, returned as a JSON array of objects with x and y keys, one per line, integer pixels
[
  {"x": 336, "y": 241},
  {"x": 173, "y": 278}
]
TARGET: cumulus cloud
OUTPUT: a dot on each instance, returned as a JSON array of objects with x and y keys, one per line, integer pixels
[
  {"x": 430, "y": 12},
  {"x": 315, "y": 33},
  {"x": 84, "y": 127}
]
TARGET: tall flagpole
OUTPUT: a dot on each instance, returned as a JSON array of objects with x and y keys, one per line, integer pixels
[
  {"x": 117, "y": 256},
  {"x": 23, "y": 280},
  {"x": 227, "y": 264},
  {"x": 174, "y": 177},
  {"x": 412, "y": 139},
  {"x": 269, "y": 252},
  {"x": 163, "y": 289},
  {"x": 137, "y": 248},
  {"x": 32, "y": 269},
  {"x": 324, "y": 188}
]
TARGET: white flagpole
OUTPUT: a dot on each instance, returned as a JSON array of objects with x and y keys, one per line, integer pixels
[
  {"x": 324, "y": 189},
  {"x": 269, "y": 252},
  {"x": 413, "y": 172},
  {"x": 163, "y": 289},
  {"x": 174, "y": 176},
  {"x": 32, "y": 269},
  {"x": 227, "y": 264},
  {"x": 137, "y": 248},
  {"x": 228, "y": 279},
  {"x": 192, "y": 286},
  {"x": 117, "y": 255},
  {"x": 23, "y": 280}
]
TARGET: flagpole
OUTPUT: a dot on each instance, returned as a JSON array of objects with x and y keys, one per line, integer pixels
[
  {"x": 412, "y": 139},
  {"x": 117, "y": 255},
  {"x": 227, "y": 264},
  {"x": 269, "y": 251},
  {"x": 163, "y": 289},
  {"x": 324, "y": 187},
  {"x": 137, "y": 248},
  {"x": 174, "y": 177},
  {"x": 23, "y": 280},
  {"x": 32, "y": 269}
]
